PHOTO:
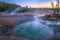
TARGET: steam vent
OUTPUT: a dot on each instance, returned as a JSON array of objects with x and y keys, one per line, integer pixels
[
  {"x": 33, "y": 31},
  {"x": 29, "y": 19}
]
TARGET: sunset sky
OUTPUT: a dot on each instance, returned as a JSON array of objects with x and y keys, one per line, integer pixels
[{"x": 32, "y": 3}]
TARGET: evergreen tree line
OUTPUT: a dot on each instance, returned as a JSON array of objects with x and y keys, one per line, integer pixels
[{"x": 6, "y": 6}]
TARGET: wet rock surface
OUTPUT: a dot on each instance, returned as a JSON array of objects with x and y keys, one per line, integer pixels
[{"x": 15, "y": 20}]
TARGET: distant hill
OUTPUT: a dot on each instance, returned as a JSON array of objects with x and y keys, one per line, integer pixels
[{"x": 6, "y": 6}]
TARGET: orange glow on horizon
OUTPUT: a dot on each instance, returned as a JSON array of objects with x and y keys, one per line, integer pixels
[
  {"x": 44, "y": 5},
  {"x": 40, "y": 6}
]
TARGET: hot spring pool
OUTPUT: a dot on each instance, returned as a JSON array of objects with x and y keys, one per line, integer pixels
[{"x": 33, "y": 30}]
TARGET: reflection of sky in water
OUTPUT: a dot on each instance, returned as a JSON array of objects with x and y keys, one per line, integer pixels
[
  {"x": 34, "y": 30},
  {"x": 50, "y": 22}
]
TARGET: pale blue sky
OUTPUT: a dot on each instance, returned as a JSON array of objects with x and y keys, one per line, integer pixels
[{"x": 30, "y": 2}]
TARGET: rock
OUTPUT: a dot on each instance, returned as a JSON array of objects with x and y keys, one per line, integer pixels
[{"x": 57, "y": 35}]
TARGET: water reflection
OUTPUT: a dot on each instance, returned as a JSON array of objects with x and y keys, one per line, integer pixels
[
  {"x": 37, "y": 29},
  {"x": 33, "y": 30}
]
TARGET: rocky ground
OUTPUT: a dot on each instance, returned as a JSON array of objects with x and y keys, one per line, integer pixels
[{"x": 13, "y": 20}]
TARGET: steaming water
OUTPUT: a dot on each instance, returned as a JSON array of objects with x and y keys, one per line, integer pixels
[
  {"x": 37, "y": 29},
  {"x": 33, "y": 30},
  {"x": 50, "y": 22}
]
